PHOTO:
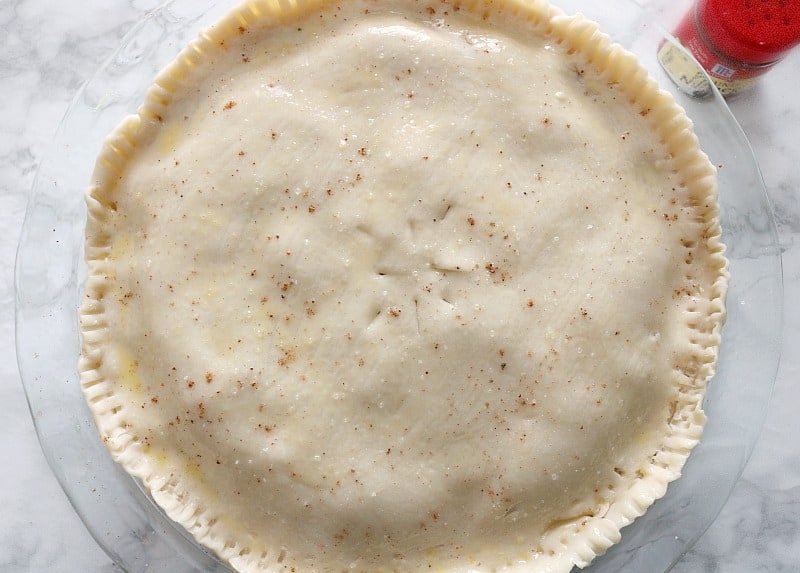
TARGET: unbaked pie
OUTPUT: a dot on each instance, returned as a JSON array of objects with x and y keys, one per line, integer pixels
[{"x": 398, "y": 285}]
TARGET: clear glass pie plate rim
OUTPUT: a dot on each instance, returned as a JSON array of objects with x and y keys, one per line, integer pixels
[{"x": 50, "y": 270}]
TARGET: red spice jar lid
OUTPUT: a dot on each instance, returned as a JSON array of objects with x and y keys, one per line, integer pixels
[{"x": 751, "y": 31}]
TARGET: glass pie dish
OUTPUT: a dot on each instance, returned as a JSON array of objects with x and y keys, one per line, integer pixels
[{"x": 50, "y": 275}]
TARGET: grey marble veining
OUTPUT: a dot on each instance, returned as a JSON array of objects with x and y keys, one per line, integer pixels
[{"x": 49, "y": 48}]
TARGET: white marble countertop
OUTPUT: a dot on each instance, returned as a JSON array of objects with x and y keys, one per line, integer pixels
[{"x": 49, "y": 48}]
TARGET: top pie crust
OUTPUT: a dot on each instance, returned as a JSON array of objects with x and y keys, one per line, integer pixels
[{"x": 384, "y": 285}]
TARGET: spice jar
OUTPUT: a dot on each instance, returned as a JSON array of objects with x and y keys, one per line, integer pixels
[{"x": 736, "y": 41}]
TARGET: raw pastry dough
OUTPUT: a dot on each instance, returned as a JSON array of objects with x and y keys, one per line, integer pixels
[{"x": 395, "y": 285}]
